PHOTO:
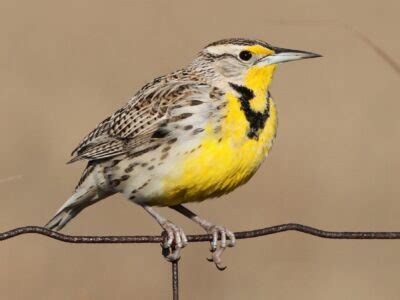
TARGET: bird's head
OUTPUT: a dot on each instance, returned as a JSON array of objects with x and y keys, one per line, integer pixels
[{"x": 247, "y": 62}]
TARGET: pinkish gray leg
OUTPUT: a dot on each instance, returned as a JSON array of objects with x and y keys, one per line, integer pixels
[
  {"x": 175, "y": 239},
  {"x": 216, "y": 231}
]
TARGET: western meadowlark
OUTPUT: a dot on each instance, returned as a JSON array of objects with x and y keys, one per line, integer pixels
[{"x": 193, "y": 134}]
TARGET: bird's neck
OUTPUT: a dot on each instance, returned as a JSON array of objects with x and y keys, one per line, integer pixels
[
  {"x": 251, "y": 100},
  {"x": 258, "y": 81}
]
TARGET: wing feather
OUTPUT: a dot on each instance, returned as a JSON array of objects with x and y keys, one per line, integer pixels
[{"x": 139, "y": 121}]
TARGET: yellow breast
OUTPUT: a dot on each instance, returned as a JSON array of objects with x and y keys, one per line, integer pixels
[
  {"x": 221, "y": 164},
  {"x": 229, "y": 158}
]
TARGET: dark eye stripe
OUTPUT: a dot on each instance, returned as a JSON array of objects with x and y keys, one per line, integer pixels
[
  {"x": 216, "y": 56},
  {"x": 219, "y": 56}
]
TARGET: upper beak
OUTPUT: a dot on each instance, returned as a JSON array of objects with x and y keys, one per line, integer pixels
[{"x": 283, "y": 55}]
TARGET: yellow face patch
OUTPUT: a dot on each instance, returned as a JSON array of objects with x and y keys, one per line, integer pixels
[{"x": 260, "y": 50}]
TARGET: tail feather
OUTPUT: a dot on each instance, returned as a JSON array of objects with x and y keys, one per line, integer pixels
[
  {"x": 62, "y": 218},
  {"x": 81, "y": 199},
  {"x": 86, "y": 193}
]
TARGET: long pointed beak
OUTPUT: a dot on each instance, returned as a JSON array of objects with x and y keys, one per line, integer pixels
[{"x": 284, "y": 55}]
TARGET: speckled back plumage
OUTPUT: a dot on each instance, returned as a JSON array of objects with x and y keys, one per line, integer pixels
[{"x": 143, "y": 119}]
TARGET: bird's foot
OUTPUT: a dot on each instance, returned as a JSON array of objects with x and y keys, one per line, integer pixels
[
  {"x": 174, "y": 240},
  {"x": 227, "y": 239}
]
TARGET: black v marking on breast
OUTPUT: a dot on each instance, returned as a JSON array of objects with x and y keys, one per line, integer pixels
[{"x": 256, "y": 119}]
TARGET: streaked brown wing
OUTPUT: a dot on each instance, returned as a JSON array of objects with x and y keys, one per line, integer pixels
[{"x": 138, "y": 122}]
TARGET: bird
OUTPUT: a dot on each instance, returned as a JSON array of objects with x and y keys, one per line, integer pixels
[{"x": 193, "y": 134}]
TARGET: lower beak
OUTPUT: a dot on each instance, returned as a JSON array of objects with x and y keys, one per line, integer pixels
[{"x": 284, "y": 55}]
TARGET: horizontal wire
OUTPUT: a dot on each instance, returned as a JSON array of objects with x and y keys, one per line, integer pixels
[{"x": 360, "y": 235}]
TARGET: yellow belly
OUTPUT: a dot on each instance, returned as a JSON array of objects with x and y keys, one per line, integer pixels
[{"x": 220, "y": 164}]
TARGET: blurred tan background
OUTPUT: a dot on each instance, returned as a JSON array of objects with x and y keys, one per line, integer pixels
[{"x": 66, "y": 65}]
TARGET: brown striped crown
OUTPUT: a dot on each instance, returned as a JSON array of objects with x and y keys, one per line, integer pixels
[{"x": 240, "y": 42}]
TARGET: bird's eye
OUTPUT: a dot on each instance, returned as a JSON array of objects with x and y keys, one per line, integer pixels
[{"x": 245, "y": 55}]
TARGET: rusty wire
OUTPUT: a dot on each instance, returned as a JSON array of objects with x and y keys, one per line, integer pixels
[
  {"x": 360, "y": 235},
  {"x": 201, "y": 237},
  {"x": 175, "y": 281}
]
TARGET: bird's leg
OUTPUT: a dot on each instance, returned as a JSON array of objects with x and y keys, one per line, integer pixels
[
  {"x": 215, "y": 230},
  {"x": 174, "y": 237}
]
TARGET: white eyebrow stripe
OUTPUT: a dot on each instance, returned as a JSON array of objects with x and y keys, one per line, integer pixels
[{"x": 222, "y": 49}]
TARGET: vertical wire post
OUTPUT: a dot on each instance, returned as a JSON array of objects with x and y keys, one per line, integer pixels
[{"x": 175, "y": 281}]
